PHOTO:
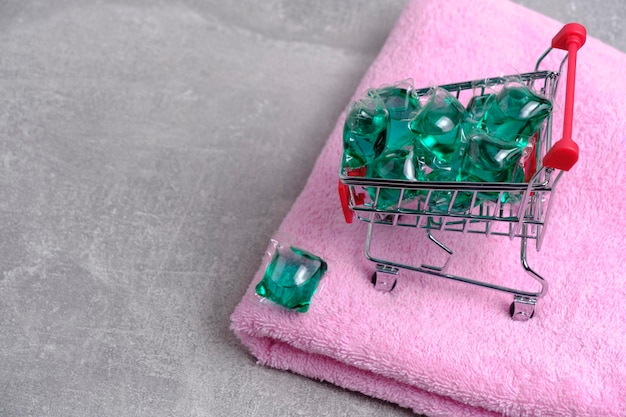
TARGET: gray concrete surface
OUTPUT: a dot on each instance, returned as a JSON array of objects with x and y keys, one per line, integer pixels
[{"x": 148, "y": 149}]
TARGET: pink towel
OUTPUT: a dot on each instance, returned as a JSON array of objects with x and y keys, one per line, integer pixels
[{"x": 444, "y": 348}]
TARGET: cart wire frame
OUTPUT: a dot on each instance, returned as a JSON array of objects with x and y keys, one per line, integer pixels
[{"x": 516, "y": 210}]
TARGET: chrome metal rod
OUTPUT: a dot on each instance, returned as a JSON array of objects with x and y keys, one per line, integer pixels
[
  {"x": 529, "y": 270},
  {"x": 458, "y": 278}
]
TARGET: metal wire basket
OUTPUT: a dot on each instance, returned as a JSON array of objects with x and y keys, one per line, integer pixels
[{"x": 516, "y": 210}]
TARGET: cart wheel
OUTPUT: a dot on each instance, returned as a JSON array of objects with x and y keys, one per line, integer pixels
[
  {"x": 522, "y": 310},
  {"x": 384, "y": 283}
]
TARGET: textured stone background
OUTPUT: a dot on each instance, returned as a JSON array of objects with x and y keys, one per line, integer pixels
[{"x": 148, "y": 149}]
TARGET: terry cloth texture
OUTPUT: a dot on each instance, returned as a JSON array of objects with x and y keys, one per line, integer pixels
[{"x": 450, "y": 349}]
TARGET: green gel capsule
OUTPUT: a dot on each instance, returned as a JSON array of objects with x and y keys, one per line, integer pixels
[
  {"x": 402, "y": 106},
  {"x": 438, "y": 129},
  {"x": 364, "y": 132},
  {"x": 440, "y": 200},
  {"x": 291, "y": 278},
  {"x": 399, "y": 165},
  {"x": 517, "y": 112}
]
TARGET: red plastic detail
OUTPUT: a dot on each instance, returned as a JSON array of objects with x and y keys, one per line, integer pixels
[
  {"x": 357, "y": 172},
  {"x": 344, "y": 194},
  {"x": 530, "y": 167},
  {"x": 571, "y": 32},
  {"x": 530, "y": 164},
  {"x": 564, "y": 154},
  {"x": 344, "y": 197}
]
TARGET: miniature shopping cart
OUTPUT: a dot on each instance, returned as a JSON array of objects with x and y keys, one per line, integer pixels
[{"x": 520, "y": 211}]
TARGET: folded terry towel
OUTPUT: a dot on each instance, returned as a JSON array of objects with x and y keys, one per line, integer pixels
[{"x": 450, "y": 349}]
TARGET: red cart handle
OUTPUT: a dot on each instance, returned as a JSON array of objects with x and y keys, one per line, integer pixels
[{"x": 564, "y": 154}]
